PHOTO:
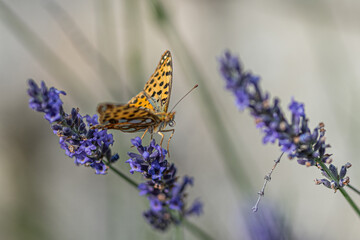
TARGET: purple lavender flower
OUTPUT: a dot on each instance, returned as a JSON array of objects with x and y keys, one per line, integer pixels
[
  {"x": 165, "y": 194},
  {"x": 196, "y": 208},
  {"x": 295, "y": 137},
  {"x": 339, "y": 176},
  {"x": 89, "y": 147},
  {"x": 160, "y": 220},
  {"x": 45, "y": 100}
]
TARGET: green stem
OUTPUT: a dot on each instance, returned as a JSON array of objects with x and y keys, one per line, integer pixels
[
  {"x": 122, "y": 175},
  {"x": 342, "y": 190},
  {"x": 354, "y": 189},
  {"x": 196, "y": 230},
  {"x": 178, "y": 233},
  {"x": 350, "y": 201}
]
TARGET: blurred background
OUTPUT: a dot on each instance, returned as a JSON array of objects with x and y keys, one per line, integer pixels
[{"x": 100, "y": 51}]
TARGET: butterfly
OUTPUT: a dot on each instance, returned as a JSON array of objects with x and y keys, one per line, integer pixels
[{"x": 148, "y": 110}]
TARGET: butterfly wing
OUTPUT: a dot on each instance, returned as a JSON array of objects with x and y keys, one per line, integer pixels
[
  {"x": 157, "y": 90},
  {"x": 141, "y": 101},
  {"x": 125, "y": 117},
  {"x": 139, "y": 113}
]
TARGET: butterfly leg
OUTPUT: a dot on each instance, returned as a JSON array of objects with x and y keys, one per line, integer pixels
[
  {"x": 173, "y": 131},
  {"x": 97, "y": 126},
  {"x": 144, "y": 133},
  {"x": 162, "y": 138},
  {"x": 168, "y": 130}
]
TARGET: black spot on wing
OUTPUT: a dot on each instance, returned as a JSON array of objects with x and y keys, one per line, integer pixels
[{"x": 113, "y": 121}]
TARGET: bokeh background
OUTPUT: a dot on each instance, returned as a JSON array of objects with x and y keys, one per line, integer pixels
[{"x": 100, "y": 51}]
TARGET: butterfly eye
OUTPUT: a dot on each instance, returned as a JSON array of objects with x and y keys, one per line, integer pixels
[{"x": 172, "y": 123}]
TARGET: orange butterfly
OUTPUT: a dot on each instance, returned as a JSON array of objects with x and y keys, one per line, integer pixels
[{"x": 147, "y": 111}]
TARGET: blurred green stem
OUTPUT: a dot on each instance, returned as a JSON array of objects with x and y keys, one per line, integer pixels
[
  {"x": 342, "y": 190},
  {"x": 335, "y": 65},
  {"x": 354, "y": 189},
  {"x": 196, "y": 230},
  {"x": 226, "y": 146},
  {"x": 135, "y": 39},
  {"x": 87, "y": 51},
  {"x": 122, "y": 175},
  {"x": 38, "y": 48},
  {"x": 178, "y": 233}
]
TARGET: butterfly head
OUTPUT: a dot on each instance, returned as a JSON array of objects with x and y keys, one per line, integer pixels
[{"x": 170, "y": 119}]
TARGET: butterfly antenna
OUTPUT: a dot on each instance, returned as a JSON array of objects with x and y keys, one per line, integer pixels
[{"x": 184, "y": 96}]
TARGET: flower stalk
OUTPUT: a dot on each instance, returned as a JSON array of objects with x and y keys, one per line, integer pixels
[
  {"x": 342, "y": 190},
  {"x": 294, "y": 137}
]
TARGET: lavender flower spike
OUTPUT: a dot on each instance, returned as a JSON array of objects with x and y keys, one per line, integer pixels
[
  {"x": 89, "y": 147},
  {"x": 294, "y": 137},
  {"x": 165, "y": 194}
]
